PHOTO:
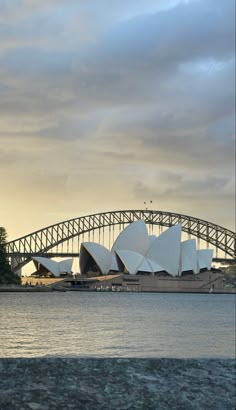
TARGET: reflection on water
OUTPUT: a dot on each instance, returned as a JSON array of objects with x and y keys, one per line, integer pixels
[{"x": 117, "y": 324}]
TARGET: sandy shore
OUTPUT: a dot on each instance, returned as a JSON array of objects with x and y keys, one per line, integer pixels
[{"x": 107, "y": 384}]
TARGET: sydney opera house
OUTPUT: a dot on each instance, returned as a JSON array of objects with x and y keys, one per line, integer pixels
[
  {"x": 136, "y": 252},
  {"x": 137, "y": 261}
]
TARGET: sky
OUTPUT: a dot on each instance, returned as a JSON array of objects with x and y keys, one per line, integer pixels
[{"x": 105, "y": 105}]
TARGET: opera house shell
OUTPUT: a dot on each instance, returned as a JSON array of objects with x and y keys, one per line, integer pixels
[
  {"x": 136, "y": 252},
  {"x": 46, "y": 266}
]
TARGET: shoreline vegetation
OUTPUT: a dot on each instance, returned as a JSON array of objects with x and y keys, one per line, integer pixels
[{"x": 7, "y": 276}]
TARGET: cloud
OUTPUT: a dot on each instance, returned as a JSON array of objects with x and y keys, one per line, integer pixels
[
  {"x": 55, "y": 24},
  {"x": 119, "y": 104},
  {"x": 136, "y": 60}
]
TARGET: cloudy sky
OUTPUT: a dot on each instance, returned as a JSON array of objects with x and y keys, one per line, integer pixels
[{"x": 105, "y": 104}]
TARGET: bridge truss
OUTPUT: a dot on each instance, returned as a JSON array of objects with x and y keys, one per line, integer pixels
[{"x": 50, "y": 238}]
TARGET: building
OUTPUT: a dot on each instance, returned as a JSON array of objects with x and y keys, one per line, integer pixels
[
  {"x": 137, "y": 262},
  {"x": 48, "y": 268},
  {"x": 135, "y": 252}
]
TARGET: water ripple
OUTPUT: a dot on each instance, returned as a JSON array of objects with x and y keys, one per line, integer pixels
[{"x": 117, "y": 325}]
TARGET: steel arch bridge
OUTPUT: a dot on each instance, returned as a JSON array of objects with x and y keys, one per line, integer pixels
[{"x": 41, "y": 242}]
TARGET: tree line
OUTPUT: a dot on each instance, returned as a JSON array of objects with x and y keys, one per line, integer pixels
[{"x": 7, "y": 277}]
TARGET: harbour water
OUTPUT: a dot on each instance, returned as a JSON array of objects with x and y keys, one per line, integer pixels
[{"x": 134, "y": 325}]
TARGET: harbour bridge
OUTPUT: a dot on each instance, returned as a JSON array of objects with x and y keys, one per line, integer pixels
[{"x": 63, "y": 239}]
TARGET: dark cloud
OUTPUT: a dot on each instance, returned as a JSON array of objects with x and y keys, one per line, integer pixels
[
  {"x": 134, "y": 58},
  {"x": 188, "y": 32}
]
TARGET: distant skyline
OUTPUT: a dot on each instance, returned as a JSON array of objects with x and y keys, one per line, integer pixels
[{"x": 105, "y": 105}]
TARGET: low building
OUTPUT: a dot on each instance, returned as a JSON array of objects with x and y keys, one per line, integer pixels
[{"x": 206, "y": 282}]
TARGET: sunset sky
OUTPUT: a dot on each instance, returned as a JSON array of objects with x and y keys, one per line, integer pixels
[{"x": 106, "y": 104}]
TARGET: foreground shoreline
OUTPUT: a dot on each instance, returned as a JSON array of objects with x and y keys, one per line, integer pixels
[
  {"x": 36, "y": 289},
  {"x": 113, "y": 383}
]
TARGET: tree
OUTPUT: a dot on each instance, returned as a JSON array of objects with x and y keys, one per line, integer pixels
[{"x": 7, "y": 277}]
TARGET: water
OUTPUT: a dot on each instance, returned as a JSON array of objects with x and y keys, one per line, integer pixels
[{"x": 117, "y": 325}]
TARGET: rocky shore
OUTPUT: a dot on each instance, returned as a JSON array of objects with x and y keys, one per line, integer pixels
[{"x": 107, "y": 384}]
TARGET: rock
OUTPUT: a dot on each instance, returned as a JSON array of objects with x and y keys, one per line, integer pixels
[{"x": 34, "y": 406}]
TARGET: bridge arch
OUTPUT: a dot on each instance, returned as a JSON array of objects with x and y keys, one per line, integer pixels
[{"x": 43, "y": 240}]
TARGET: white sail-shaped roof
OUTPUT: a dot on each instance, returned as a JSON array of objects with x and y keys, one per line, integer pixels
[
  {"x": 188, "y": 256},
  {"x": 100, "y": 255},
  {"x": 151, "y": 239},
  {"x": 135, "y": 262},
  {"x": 114, "y": 264},
  {"x": 50, "y": 265},
  {"x": 133, "y": 238},
  {"x": 56, "y": 268},
  {"x": 65, "y": 266},
  {"x": 130, "y": 259},
  {"x": 204, "y": 258},
  {"x": 155, "y": 267},
  {"x": 145, "y": 266},
  {"x": 136, "y": 251},
  {"x": 165, "y": 250}
]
